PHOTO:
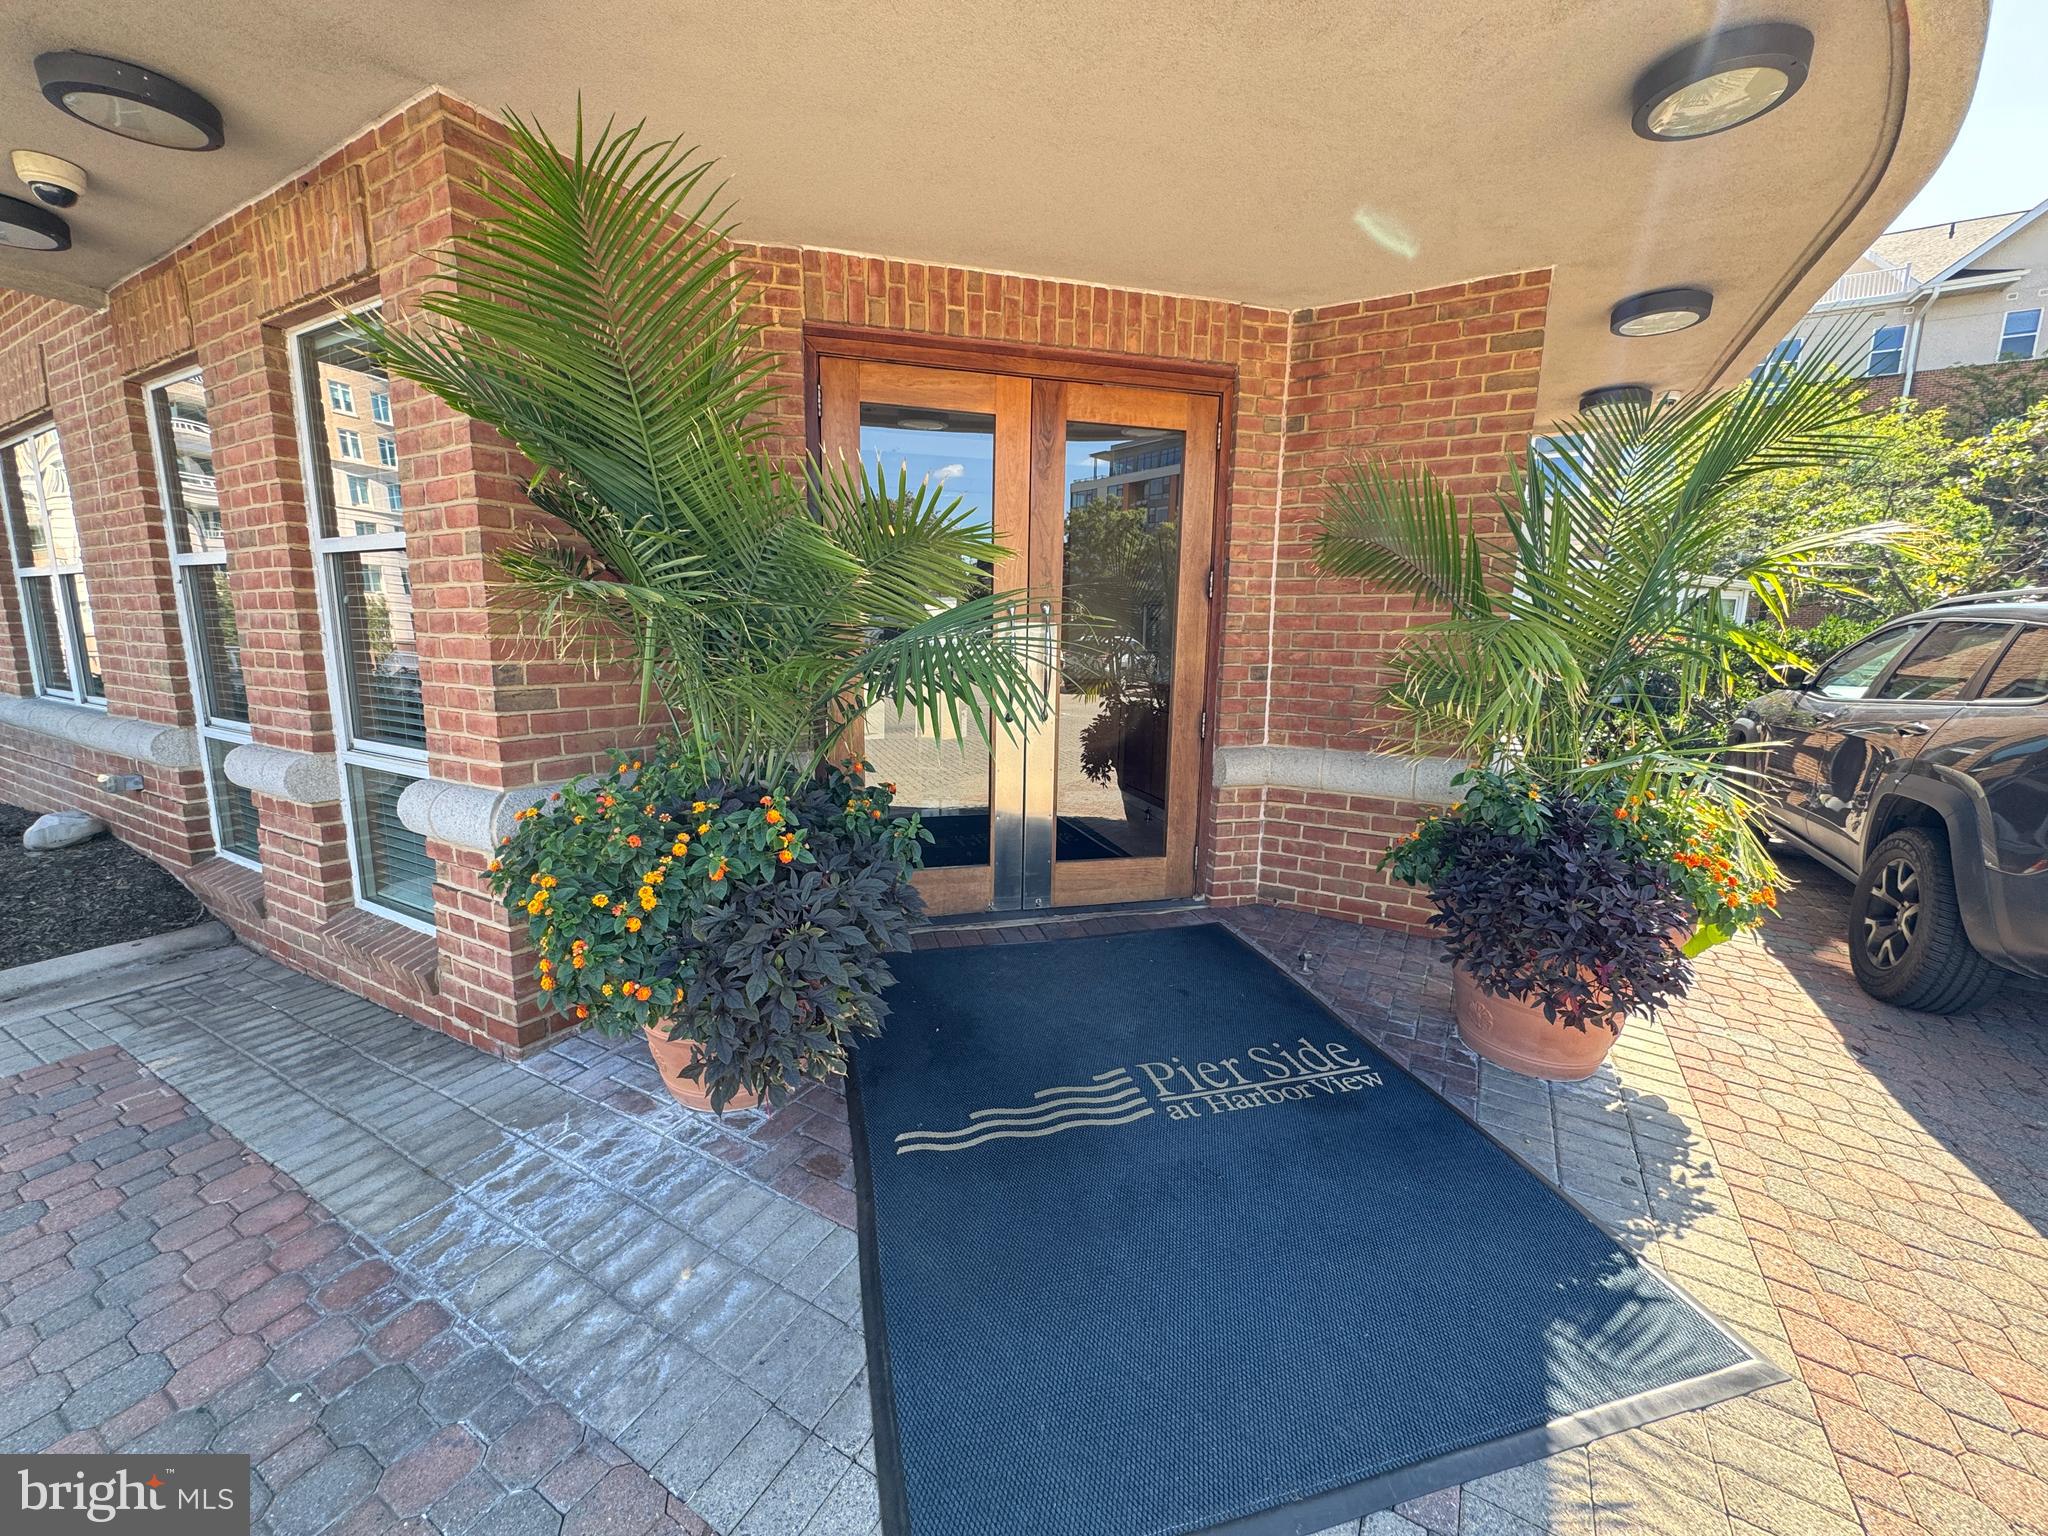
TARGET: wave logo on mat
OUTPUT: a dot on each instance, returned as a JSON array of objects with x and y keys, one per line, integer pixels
[
  {"x": 1265, "y": 1075},
  {"x": 1108, "y": 1098}
]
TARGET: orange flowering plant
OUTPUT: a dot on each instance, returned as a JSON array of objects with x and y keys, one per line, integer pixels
[
  {"x": 746, "y": 911},
  {"x": 1723, "y": 870},
  {"x": 1700, "y": 845}
]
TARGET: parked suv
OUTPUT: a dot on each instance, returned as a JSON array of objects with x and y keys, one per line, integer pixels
[{"x": 1916, "y": 764}]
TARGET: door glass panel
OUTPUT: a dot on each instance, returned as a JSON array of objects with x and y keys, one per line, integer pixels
[
  {"x": 1121, "y": 574},
  {"x": 1942, "y": 665},
  {"x": 942, "y": 774}
]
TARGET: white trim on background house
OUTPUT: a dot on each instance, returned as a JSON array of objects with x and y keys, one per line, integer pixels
[{"x": 1969, "y": 258}]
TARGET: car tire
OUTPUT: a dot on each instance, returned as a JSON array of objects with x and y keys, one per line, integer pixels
[{"x": 1906, "y": 938}]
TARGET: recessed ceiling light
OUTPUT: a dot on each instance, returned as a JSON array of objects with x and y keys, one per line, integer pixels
[
  {"x": 1722, "y": 80},
  {"x": 922, "y": 423},
  {"x": 25, "y": 226},
  {"x": 127, "y": 99},
  {"x": 1661, "y": 313},
  {"x": 1615, "y": 394}
]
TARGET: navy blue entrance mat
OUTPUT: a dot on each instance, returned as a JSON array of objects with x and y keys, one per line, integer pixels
[{"x": 1153, "y": 1244}]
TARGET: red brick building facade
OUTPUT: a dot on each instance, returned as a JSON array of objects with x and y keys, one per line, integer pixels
[{"x": 1300, "y": 793}]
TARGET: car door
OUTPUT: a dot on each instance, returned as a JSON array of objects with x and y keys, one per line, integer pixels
[
  {"x": 1803, "y": 723},
  {"x": 1995, "y": 749},
  {"x": 1869, "y": 737}
]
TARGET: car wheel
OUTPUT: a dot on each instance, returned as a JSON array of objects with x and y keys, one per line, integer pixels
[{"x": 1906, "y": 938}]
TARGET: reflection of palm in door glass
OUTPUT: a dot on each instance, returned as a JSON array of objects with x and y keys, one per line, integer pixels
[
  {"x": 940, "y": 773},
  {"x": 1121, "y": 581}
]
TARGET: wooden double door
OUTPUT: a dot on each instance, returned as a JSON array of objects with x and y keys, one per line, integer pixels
[{"x": 1103, "y": 497}]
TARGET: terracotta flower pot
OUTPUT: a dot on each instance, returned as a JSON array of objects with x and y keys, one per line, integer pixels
[
  {"x": 1515, "y": 1035},
  {"x": 671, "y": 1057}
]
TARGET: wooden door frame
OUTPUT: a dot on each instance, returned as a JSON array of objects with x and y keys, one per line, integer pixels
[{"x": 1032, "y": 360}]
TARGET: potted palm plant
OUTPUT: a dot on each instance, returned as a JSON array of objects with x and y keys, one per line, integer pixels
[
  {"x": 1605, "y": 834},
  {"x": 733, "y": 892}
]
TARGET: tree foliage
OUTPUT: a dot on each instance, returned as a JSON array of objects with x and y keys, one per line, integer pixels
[
  {"x": 1979, "y": 398},
  {"x": 1908, "y": 473},
  {"x": 2006, "y": 472}
]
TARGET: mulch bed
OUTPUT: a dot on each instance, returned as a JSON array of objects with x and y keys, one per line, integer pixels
[{"x": 93, "y": 893}]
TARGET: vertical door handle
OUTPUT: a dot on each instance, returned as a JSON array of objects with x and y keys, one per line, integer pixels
[{"x": 1045, "y": 613}]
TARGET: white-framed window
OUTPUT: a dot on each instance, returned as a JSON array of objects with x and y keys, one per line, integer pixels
[
  {"x": 387, "y": 452},
  {"x": 341, "y": 396},
  {"x": 42, "y": 541},
  {"x": 1564, "y": 454},
  {"x": 394, "y": 498},
  {"x": 380, "y": 407},
  {"x": 2022, "y": 334},
  {"x": 348, "y": 443},
  {"x": 180, "y": 435},
  {"x": 1784, "y": 354},
  {"x": 1887, "y": 351},
  {"x": 373, "y": 669}
]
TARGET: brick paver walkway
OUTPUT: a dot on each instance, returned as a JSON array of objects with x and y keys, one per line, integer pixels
[
  {"x": 1892, "y": 1171},
  {"x": 165, "y": 1290},
  {"x": 635, "y": 1260},
  {"x": 1861, "y": 1192}
]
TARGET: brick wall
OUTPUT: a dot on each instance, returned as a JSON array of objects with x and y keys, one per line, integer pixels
[
  {"x": 362, "y": 224},
  {"x": 1971, "y": 394},
  {"x": 1445, "y": 377},
  {"x": 61, "y": 368}
]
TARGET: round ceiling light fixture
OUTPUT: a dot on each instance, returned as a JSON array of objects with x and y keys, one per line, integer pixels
[
  {"x": 1722, "y": 81},
  {"x": 1660, "y": 313},
  {"x": 1637, "y": 395},
  {"x": 127, "y": 99},
  {"x": 26, "y": 226}
]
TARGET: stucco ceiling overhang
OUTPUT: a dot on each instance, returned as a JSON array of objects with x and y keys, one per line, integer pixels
[{"x": 1287, "y": 153}]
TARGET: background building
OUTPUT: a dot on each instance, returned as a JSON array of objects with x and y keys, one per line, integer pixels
[{"x": 1922, "y": 306}]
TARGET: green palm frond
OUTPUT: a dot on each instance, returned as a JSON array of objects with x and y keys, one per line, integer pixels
[
  {"x": 1402, "y": 529},
  {"x": 966, "y": 652},
  {"x": 595, "y": 315},
  {"x": 912, "y": 542},
  {"x": 1613, "y": 536}
]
